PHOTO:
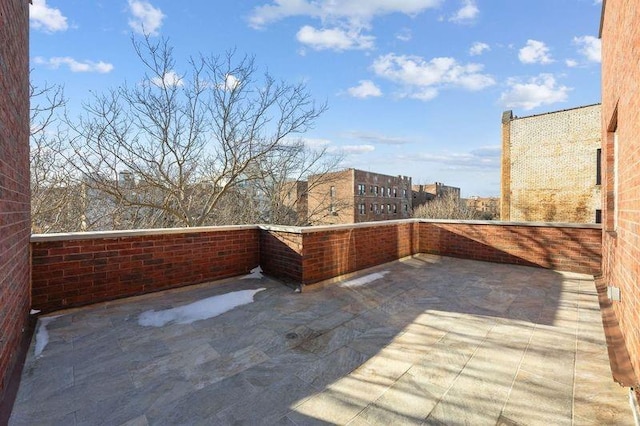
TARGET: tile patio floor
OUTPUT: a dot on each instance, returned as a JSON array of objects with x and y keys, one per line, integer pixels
[{"x": 429, "y": 341}]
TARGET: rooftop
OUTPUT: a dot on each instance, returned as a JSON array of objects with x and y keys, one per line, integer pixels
[{"x": 424, "y": 340}]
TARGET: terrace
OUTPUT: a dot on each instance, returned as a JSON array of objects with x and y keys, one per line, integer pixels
[{"x": 403, "y": 322}]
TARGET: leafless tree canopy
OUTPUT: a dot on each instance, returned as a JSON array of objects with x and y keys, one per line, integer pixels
[
  {"x": 215, "y": 144},
  {"x": 445, "y": 207}
]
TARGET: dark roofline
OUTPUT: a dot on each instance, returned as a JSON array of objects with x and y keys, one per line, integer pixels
[
  {"x": 604, "y": 3},
  {"x": 554, "y": 112}
]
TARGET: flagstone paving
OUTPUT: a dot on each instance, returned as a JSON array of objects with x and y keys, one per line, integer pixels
[{"x": 430, "y": 340}]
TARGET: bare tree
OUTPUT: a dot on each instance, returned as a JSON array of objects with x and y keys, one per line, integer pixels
[
  {"x": 55, "y": 199},
  {"x": 173, "y": 148},
  {"x": 445, "y": 207}
]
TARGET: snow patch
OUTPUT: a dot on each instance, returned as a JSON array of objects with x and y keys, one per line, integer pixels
[
  {"x": 42, "y": 334},
  {"x": 358, "y": 282},
  {"x": 256, "y": 274},
  {"x": 34, "y": 311},
  {"x": 200, "y": 310}
]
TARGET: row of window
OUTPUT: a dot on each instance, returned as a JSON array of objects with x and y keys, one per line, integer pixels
[
  {"x": 381, "y": 191},
  {"x": 380, "y": 209}
]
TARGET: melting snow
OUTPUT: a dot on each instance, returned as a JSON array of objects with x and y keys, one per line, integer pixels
[
  {"x": 256, "y": 273},
  {"x": 358, "y": 282},
  {"x": 42, "y": 334},
  {"x": 200, "y": 310}
]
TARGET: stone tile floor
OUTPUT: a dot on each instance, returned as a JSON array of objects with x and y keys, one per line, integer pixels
[{"x": 426, "y": 340}]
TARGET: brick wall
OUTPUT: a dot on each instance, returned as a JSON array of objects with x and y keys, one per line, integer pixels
[
  {"x": 620, "y": 35},
  {"x": 562, "y": 247},
  {"x": 14, "y": 183},
  {"x": 89, "y": 268},
  {"x": 281, "y": 254},
  {"x": 329, "y": 253},
  {"x": 551, "y": 175}
]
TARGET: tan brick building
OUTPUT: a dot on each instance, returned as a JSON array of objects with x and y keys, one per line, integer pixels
[
  {"x": 487, "y": 206},
  {"x": 352, "y": 196},
  {"x": 549, "y": 166},
  {"x": 424, "y": 193}
]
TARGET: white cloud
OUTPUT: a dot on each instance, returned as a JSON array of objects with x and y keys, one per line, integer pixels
[
  {"x": 378, "y": 138},
  {"x": 170, "y": 78},
  {"x": 571, "y": 63},
  {"x": 483, "y": 158},
  {"x": 357, "y": 13},
  {"x": 365, "y": 89},
  {"x": 535, "y": 52},
  {"x": 404, "y": 34},
  {"x": 540, "y": 90},
  {"x": 467, "y": 13},
  {"x": 355, "y": 149},
  {"x": 423, "y": 79},
  {"x": 590, "y": 47},
  {"x": 43, "y": 17},
  {"x": 146, "y": 18},
  {"x": 478, "y": 48},
  {"x": 334, "y": 39},
  {"x": 73, "y": 65}
]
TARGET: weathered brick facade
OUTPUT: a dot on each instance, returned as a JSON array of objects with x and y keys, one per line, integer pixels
[
  {"x": 552, "y": 163},
  {"x": 14, "y": 183},
  {"x": 354, "y": 196},
  {"x": 620, "y": 35}
]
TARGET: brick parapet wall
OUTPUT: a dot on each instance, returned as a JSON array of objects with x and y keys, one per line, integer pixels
[
  {"x": 565, "y": 247},
  {"x": 14, "y": 185},
  {"x": 620, "y": 36},
  {"x": 78, "y": 269},
  {"x": 281, "y": 254}
]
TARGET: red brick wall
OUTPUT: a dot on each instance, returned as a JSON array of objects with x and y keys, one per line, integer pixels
[
  {"x": 621, "y": 114},
  {"x": 74, "y": 272},
  {"x": 565, "y": 248},
  {"x": 281, "y": 254},
  {"x": 14, "y": 182},
  {"x": 332, "y": 252}
]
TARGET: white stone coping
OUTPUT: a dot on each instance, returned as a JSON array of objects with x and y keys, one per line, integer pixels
[
  {"x": 37, "y": 238},
  {"x": 292, "y": 229}
]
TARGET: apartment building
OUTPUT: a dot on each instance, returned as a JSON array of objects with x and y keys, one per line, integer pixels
[
  {"x": 550, "y": 166},
  {"x": 424, "y": 193},
  {"x": 488, "y": 207},
  {"x": 353, "y": 196}
]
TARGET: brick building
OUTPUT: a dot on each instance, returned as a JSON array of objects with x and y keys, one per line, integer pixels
[
  {"x": 549, "y": 166},
  {"x": 487, "y": 206},
  {"x": 620, "y": 34},
  {"x": 352, "y": 196},
  {"x": 15, "y": 267},
  {"x": 424, "y": 193}
]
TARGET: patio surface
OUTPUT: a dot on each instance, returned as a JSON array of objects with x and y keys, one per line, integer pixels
[{"x": 426, "y": 340}]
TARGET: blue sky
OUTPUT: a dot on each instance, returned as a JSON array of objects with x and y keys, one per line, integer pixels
[{"x": 414, "y": 87}]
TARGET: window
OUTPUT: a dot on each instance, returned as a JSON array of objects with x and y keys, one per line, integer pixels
[
  {"x": 362, "y": 189},
  {"x": 598, "y": 167},
  {"x": 376, "y": 190},
  {"x": 362, "y": 208},
  {"x": 372, "y": 190},
  {"x": 395, "y": 209},
  {"x": 388, "y": 192},
  {"x": 332, "y": 191},
  {"x": 371, "y": 207},
  {"x": 332, "y": 210},
  {"x": 406, "y": 208},
  {"x": 395, "y": 192},
  {"x": 404, "y": 193},
  {"x": 375, "y": 208},
  {"x": 598, "y": 216},
  {"x": 388, "y": 208}
]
